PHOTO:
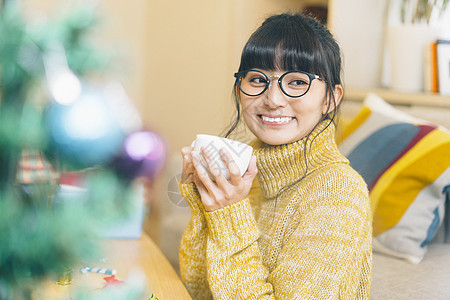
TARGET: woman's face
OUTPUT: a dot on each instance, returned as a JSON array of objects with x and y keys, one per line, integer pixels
[{"x": 277, "y": 119}]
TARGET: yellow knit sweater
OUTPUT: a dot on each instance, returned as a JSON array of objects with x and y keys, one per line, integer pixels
[{"x": 311, "y": 241}]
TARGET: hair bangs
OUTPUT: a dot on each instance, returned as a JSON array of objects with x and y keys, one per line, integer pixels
[{"x": 282, "y": 47}]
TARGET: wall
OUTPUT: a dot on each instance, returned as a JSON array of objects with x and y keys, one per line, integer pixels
[
  {"x": 358, "y": 27},
  {"x": 198, "y": 44},
  {"x": 179, "y": 56}
]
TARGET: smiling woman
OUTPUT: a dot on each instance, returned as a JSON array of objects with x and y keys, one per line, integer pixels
[
  {"x": 297, "y": 65},
  {"x": 302, "y": 227},
  {"x": 276, "y": 115}
]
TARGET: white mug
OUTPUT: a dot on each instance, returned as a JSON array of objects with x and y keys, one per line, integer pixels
[{"x": 240, "y": 152}]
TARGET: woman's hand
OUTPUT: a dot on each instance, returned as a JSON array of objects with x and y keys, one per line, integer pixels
[
  {"x": 222, "y": 192},
  {"x": 187, "y": 174}
]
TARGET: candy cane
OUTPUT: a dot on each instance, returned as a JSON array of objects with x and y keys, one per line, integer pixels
[{"x": 98, "y": 270}]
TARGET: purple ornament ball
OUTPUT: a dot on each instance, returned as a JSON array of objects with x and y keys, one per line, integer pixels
[{"x": 143, "y": 155}]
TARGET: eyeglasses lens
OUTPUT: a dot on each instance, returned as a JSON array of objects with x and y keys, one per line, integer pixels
[{"x": 293, "y": 84}]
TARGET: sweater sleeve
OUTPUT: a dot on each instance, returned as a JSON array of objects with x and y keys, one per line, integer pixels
[
  {"x": 322, "y": 253},
  {"x": 235, "y": 268},
  {"x": 192, "y": 255}
]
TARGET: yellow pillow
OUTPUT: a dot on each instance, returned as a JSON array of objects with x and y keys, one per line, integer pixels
[{"x": 406, "y": 165}]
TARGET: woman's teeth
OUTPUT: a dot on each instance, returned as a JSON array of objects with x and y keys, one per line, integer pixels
[{"x": 281, "y": 120}]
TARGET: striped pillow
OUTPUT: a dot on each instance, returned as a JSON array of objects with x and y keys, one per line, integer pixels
[{"x": 406, "y": 165}]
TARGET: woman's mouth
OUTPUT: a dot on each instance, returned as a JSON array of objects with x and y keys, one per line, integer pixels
[{"x": 278, "y": 120}]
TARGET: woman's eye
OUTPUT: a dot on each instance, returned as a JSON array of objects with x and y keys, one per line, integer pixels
[
  {"x": 298, "y": 82},
  {"x": 258, "y": 80}
]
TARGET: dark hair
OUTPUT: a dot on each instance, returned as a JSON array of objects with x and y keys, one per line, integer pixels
[{"x": 292, "y": 42}]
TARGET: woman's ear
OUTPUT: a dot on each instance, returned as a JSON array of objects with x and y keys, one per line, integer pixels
[{"x": 330, "y": 105}]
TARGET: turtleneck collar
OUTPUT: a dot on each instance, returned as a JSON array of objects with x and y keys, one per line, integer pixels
[{"x": 281, "y": 165}]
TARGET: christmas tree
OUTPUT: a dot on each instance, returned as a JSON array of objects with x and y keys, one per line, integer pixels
[{"x": 56, "y": 119}]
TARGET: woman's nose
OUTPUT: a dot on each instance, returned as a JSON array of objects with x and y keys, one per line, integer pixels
[{"x": 274, "y": 96}]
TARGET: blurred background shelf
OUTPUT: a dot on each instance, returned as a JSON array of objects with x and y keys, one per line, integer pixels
[{"x": 399, "y": 98}]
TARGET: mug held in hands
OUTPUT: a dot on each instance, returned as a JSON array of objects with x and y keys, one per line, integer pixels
[{"x": 240, "y": 152}]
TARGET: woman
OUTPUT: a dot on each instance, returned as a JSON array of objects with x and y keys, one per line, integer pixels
[{"x": 301, "y": 229}]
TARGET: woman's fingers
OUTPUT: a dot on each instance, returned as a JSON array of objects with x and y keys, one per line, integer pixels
[
  {"x": 251, "y": 172},
  {"x": 202, "y": 173},
  {"x": 233, "y": 168},
  {"x": 186, "y": 151},
  {"x": 215, "y": 166},
  {"x": 188, "y": 171},
  {"x": 215, "y": 189},
  {"x": 200, "y": 187},
  {"x": 188, "y": 168}
]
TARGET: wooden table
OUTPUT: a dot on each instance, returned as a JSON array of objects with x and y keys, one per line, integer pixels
[{"x": 126, "y": 256}]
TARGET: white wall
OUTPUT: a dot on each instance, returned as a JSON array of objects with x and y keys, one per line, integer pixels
[{"x": 359, "y": 28}]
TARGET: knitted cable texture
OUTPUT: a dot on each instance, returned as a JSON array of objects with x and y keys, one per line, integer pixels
[{"x": 312, "y": 240}]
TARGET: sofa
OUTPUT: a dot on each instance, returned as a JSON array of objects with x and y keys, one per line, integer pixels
[
  {"x": 411, "y": 249},
  {"x": 411, "y": 258},
  {"x": 398, "y": 279}
]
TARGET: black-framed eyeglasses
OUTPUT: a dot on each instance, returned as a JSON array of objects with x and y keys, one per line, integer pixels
[{"x": 293, "y": 83}]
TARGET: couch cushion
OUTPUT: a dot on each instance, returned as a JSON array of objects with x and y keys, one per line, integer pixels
[
  {"x": 397, "y": 279},
  {"x": 406, "y": 163}
]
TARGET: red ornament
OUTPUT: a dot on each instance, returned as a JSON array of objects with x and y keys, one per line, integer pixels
[{"x": 111, "y": 281}]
